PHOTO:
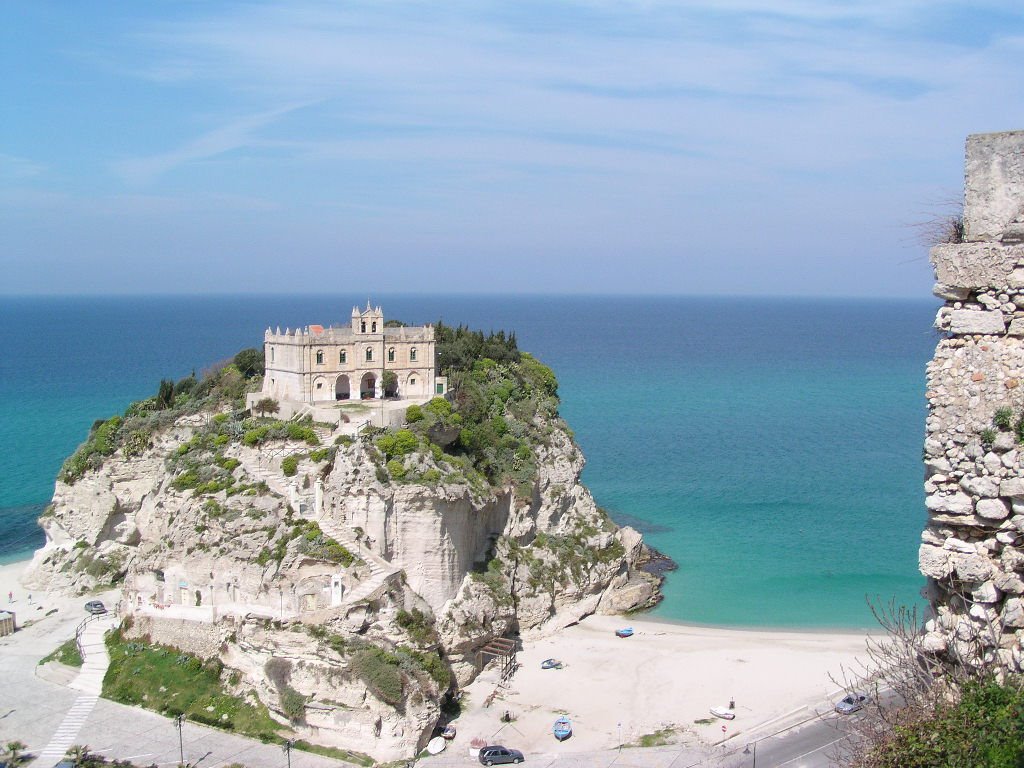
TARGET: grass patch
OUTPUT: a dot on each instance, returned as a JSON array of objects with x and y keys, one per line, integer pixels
[
  {"x": 168, "y": 681},
  {"x": 338, "y": 754},
  {"x": 66, "y": 653},
  {"x": 659, "y": 738}
]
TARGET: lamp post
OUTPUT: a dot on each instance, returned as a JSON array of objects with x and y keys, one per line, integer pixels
[
  {"x": 287, "y": 747},
  {"x": 747, "y": 752},
  {"x": 179, "y": 721}
]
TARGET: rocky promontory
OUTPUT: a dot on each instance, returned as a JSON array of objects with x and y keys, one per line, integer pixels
[{"x": 346, "y": 579}]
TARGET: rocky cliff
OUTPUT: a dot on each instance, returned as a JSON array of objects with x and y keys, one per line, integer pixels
[
  {"x": 972, "y": 548},
  {"x": 355, "y": 574}
]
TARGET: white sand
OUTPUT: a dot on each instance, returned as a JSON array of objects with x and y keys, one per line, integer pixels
[{"x": 665, "y": 676}]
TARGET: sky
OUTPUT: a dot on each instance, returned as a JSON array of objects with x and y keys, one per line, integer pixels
[{"x": 635, "y": 146}]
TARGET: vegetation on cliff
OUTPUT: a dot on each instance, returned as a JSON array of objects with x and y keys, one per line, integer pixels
[
  {"x": 223, "y": 385},
  {"x": 502, "y": 406}
]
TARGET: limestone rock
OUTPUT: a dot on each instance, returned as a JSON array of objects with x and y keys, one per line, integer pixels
[
  {"x": 953, "y": 504},
  {"x": 977, "y": 321},
  {"x": 992, "y": 509}
]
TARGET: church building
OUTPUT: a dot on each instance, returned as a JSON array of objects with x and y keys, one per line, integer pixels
[{"x": 367, "y": 359}]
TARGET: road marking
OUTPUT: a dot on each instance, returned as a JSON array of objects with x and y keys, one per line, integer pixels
[{"x": 816, "y": 749}]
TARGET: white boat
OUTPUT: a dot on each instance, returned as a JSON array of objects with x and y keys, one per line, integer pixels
[
  {"x": 436, "y": 745},
  {"x": 723, "y": 712}
]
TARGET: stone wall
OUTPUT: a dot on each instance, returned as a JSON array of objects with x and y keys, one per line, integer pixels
[
  {"x": 972, "y": 548},
  {"x": 198, "y": 638}
]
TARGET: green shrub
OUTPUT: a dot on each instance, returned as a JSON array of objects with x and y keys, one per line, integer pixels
[
  {"x": 988, "y": 436},
  {"x": 439, "y": 407},
  {"x": 401, "y": 443},
  {"x": 418, "y": 625},
  {"x": 396, "y": 469},
  {"x": 320, "y": 454},
  {"x": 1003, "y": 418},
  {"x": 379, "y": 671},
  {"x": 297, "y": 431},
  {"x": 293, "y": 704},
  {"x": 413, "y": 414},
  {"x": 984, "y": 728},
  {"x": 290, "y": 465}
]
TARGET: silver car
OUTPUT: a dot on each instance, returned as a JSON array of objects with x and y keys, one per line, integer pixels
[{"x": 851, "y": 703}]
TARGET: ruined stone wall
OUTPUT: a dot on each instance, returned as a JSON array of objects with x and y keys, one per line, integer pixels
[{"x": 972, "y": 548}]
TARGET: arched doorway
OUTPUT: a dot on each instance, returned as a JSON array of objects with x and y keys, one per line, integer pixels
[
  {"x": 341, "y": 388},
  {"x": 367, "y": 386},
  {"x": 390, "y": 381}
]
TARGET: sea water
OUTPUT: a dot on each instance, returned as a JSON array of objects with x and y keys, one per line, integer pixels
[{"x": 771, "y": 447}]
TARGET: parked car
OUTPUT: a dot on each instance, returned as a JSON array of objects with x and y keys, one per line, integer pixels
[
  {"x": 499, "y": 755},
  {"x": 851, "y": 703},
  {"x": 95, "y": 607}
]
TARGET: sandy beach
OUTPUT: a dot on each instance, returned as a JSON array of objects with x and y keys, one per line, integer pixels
[{"x": 667, "y": 676}]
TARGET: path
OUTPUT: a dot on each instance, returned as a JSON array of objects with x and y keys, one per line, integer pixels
[{"x": 89, "y": 681}]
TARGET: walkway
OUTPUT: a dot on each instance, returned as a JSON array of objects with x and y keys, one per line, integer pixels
[{"x": 90, "y": 682}]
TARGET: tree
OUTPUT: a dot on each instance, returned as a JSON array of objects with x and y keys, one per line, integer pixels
[
  {"x": 14, "y": 752},
  {"x": 165, "y": 395},
  {"x": 250, "y": 362},
  {"x": 266, "y": 405},
  {"x": 389, "y": 380},
  {"x": 78, "y": 754}
]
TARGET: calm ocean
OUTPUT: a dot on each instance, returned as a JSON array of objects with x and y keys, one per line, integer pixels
[{"x": 772, "y": 447}]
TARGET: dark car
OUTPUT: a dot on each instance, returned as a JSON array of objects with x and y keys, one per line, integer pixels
[
  {"x": 499, "y": 755},
  {"x": 95, "y": 607},
  {"x": 851, "y": 703}
]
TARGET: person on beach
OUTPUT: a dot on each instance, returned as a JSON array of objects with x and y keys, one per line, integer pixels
[{"x": 10, "y": 597}]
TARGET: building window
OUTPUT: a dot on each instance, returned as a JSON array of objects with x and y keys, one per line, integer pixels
[
  {"x": 412, "y": 355},
  {"x": 271, "y": 354},
  {"x": 343, "y": 357},
  {"x": 369, "y": 354},
  {"x": 319, "y": 385},
  {"x": 362, "y": 327},
  {"x": 412, "y": 382},
  {"x": 439, "y": 388},
  {"x": 319, "y": 357},
  {"x": 391, "y": 354},
  {"x": 373, "y": 328}
]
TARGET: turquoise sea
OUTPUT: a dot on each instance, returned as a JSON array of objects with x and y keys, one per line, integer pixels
[{"x": 771, "y": 447}]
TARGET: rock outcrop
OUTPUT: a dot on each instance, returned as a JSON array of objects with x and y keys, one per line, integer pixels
[
  {"x": 972, "y": 549},
  {"x": 301, "y": 569}
]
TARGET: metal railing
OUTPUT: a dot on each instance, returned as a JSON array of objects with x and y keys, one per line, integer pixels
[{"x": 80, "y": 629}]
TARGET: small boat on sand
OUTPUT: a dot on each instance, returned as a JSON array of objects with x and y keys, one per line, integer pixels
[
  {"x": 436, "y": 745},
  {"x": 448, "y": 732},
  {"x": 624, "y": 632},
  {"x": 723, "y": 712},
  {"x": 551, "y": 664},
  {"x": 562, "y": 728}
]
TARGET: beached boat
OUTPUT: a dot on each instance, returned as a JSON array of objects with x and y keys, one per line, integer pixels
[
  {"x": 562, "y": 728},
  {"x": 624, "y": 632},
  {"x": 436, "y": 745},
  {"x": 723, "y": 712},
  {"x": 448, "y": 732},
  {"x": 551, "y": 664}
]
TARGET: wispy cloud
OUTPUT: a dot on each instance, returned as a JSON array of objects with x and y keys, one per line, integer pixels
[
  {"x": 234, "y": 135},
  {"x": 18, "y": 168}
]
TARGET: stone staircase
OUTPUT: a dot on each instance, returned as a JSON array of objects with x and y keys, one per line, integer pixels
[{"x": 380, "y": 569}]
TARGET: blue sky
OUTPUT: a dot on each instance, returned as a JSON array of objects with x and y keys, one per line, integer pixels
[{"x": 637, "y": 146}]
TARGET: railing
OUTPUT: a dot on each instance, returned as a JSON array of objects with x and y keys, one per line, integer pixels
[{"x": 80, "y": 629}]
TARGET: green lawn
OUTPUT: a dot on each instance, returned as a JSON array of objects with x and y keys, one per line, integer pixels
[
  {"x": 170, "y": 682},
  {"x": 66, "y": 653}
]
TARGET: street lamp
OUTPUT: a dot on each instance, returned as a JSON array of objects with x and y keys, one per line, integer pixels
[
  {"x": 287, "y": 747},
  {"x": 179, "y": 720},
  {"x": 747, "y": 752}
]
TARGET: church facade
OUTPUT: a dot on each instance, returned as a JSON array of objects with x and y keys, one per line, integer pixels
[{"x": 361, "y": 361}]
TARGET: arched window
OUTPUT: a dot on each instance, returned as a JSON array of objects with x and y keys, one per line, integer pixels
[
  {"x": 343, "y": 357},
  {"x": 391, "y": 354},
  {"x": 319, "y": 357},
  {"x": 271, "y": 354},
  {"x": 369, "y": 354},
  {"x": 362, "y": 327},
  {"x": 373, "y": 327},
  {"x": 412, "y": 355}
]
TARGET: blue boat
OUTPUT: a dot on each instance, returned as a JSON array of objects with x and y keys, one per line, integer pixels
[
  {"x": 562, "y": 728},
  {"x": 625, "y": 632}
]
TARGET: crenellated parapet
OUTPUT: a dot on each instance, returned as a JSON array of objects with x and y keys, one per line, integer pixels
[{"x": 972, "y": 548}]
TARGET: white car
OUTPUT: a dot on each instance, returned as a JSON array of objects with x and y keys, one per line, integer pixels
[{"x": 851, "y": 703}]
